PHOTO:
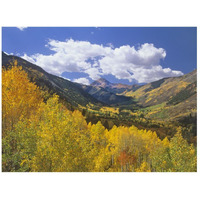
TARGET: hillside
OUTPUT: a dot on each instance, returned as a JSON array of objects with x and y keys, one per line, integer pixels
[
  {"x": 69, "y": 92},
  {"x": 168, "y": 99},
  {"x": 170, "y": 90}
]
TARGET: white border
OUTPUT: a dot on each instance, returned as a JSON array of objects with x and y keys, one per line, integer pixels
[{"x": 100, "y": 185}]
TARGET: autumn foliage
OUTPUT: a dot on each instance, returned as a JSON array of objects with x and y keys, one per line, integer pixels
[
  {"x": 43, "y": 136},
  {"x": 20, "y": 97}
]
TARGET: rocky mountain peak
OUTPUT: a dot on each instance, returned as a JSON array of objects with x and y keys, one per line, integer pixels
[{"x": 101, "y": 83}]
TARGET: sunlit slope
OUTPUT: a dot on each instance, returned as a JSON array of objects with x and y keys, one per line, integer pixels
[
  {"x": 170, "y": 90},
  {"x": 169, "y": 99}
]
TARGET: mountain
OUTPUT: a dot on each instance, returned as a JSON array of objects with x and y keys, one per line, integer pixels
[
  {"x": 71, "y": 94},
  {"x": 116, "y": 88},
  {"x": 169, "y": 98},
  {"x": 165, "y": 90},
  {"x": 109, "y": 93},
  {"x": 101, "y": 83},
  {"x": 105, "y": 96}
]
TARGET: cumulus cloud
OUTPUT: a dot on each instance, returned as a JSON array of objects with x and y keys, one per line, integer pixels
[
  {"x": 21, "y": 28},
  {"x": 93, "y": 73},
  {"x": 83, "y": 81},
  {"x": 141, "y": 64}
]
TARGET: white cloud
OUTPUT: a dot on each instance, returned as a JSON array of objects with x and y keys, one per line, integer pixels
[
  {"x": 28, "y": 58},
  {"x": 142, "y": 65},
  {"x": 126, "y": 62},
  {"x": 21, "y": 28},
  {"x": 84, "y": 81},
  {"x": 93, "y": 73}
]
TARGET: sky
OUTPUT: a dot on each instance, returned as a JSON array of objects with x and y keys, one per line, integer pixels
[{"x": 129, "y": 55}]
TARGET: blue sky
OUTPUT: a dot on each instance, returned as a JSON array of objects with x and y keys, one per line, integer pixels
[{"x": 119, "y": 54}]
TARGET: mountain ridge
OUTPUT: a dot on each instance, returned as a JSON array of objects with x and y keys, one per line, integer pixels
[
  {"x": 162, "y": 90},
  {"x": 116, "y": 88},
  {"x": 105, "y": 96},
  {"x": 67, "y": 90}
]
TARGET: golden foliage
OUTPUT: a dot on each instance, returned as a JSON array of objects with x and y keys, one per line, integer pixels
[
  {"x": 20, "y": 97},
  {"x": 47, "y": 137}
]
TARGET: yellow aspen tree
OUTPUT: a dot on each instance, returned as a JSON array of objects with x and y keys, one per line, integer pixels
[
  {"x": 160, "y": 157},
  {"x": 183, "y": 156},
  {"x": 97, "y": 143},
  {"x": 20, "y": 100},
  {"x": 63, "y": 139},
  {"x": 144, "y": 167},
  {"x": 20, "y": 97}
]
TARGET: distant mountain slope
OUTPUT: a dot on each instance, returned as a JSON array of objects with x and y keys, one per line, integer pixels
[
  {"x": 171, "y": 90},
  {"x": 71, "y": 93},
  {"x": 105, "y": 96},
  {"x": 169, "y": 99}
]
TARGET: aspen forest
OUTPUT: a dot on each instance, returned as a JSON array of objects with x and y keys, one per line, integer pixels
[{"x": 40, "y": 134}]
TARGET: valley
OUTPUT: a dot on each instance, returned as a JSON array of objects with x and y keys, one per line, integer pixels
[
  {"x": 50, "y": 124},
  {"x": 159, "y": 106}
]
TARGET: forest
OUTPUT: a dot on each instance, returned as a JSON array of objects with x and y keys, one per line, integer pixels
[{"x": 39, "y": 134}]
